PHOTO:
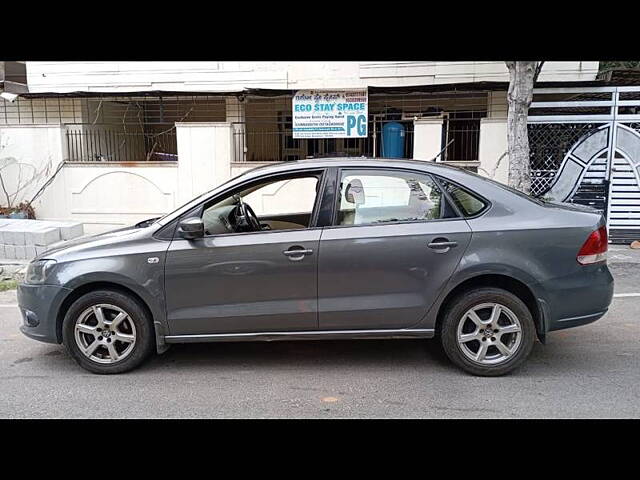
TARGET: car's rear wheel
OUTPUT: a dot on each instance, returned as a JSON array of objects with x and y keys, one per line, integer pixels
[
  {"x": 107, "y": 331},
  {"x": 487, "y": 331}
]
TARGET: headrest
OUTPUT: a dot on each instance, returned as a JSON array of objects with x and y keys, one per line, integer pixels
[{"x": 354, "y": 193}]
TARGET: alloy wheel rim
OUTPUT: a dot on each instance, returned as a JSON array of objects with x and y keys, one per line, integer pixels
[
  {"x": 489, "y": 334},
  {"x": 105, "y": 333}
]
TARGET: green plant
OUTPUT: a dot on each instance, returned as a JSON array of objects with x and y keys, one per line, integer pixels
[{"x": 8, "y": 285}]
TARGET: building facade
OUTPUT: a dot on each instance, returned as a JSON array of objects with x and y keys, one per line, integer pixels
[{"x": 117, "y": 142}]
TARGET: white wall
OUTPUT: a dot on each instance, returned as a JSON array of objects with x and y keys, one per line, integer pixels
[
  {"x": 103, "y": 195},
  {"x": 427, "y": 138},
  {"x": 28, "y": 156},
  {"x": 494, "y": 163},
  {"x": 107, "y": 195},
  {"x": 205, "y": 151},
  {"x": 235, "y": 76}
]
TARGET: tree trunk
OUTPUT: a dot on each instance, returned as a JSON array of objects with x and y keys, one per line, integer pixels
[{"x": 522, "y": 77}]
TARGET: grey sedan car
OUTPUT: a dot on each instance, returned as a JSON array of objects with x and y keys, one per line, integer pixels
[{"x": 329, "y": 249}]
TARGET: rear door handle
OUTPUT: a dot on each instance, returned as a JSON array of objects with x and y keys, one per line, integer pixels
[
  {"x": 296, "y": 254},
  {"x": 442, "y": 245}
]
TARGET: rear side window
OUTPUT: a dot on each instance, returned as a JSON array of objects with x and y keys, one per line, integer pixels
[
  {"x": 386, "y": 196},
  {"x": 468, "y": 203}
]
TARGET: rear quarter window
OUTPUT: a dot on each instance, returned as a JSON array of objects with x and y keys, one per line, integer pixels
[{"x": 467, "y": 202}]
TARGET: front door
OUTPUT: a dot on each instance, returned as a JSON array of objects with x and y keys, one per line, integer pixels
[
  {"x": 256, "y": 281},
  {"x": 394, "y": 245}
]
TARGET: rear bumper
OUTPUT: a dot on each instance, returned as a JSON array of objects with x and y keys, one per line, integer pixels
[
  {"x": 577, "y": 299},
  {"x": 578, "y": 321},
  {"x": 39, "y": 306}
]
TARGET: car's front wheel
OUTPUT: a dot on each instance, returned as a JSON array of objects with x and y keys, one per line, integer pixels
[
  {"x": 107, "y": 331},
  {"x": 487, "y": 331}
]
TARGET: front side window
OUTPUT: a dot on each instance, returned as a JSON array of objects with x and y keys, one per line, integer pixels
[
  {"x": 384, "y": 196},
  {"x": 277, "y": 204}
]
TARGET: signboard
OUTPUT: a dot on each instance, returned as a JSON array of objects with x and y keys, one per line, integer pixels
[{"x": 330, "y": 113}]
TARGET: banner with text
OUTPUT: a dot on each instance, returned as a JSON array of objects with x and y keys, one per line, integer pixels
[{"x": 330, "y": 113}]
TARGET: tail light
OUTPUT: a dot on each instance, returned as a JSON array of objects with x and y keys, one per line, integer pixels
[{"x": 595, "y": 248}]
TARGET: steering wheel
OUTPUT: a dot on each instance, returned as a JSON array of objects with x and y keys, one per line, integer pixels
[{"x": 251, "y": 219}]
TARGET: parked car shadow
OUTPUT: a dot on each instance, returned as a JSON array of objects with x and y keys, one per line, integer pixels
[
  {"x": 367, "y": 355},
  {"x": 301, "y": 354}
]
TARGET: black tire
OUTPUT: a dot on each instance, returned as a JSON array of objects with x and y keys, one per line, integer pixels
[
  {"x": 454, "y": 314},
  {"x": 144, "y": 335}
]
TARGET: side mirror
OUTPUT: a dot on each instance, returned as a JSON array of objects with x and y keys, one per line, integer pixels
[{"x": 191, "y": 228}]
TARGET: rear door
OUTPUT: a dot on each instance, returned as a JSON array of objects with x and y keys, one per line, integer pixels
[{"x": 393, "y": 244}]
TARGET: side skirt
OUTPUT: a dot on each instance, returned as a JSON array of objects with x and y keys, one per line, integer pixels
[{"x": 306, "y": 335}]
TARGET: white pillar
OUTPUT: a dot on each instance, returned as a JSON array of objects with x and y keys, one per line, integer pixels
[
  {"x": 494, "y": 163},
  {"x": 427, "y": 138},
  {"x": 235, "y": 110},
  {"x": 493, "y": 145},
  {"x": 205, "y": 153}
]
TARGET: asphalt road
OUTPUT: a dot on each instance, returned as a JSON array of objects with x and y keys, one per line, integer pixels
[{"x": 586, "y": 372}]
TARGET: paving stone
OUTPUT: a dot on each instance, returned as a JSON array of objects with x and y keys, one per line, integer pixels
[
  {"x": 20, "y": 252},
  {"x": 44, "y": 236},
  {"x": 28, "y": 235},
  {"x": 13, "y": 233},
  {"x": 6, "y": 235},
  {"x": 3, "y": 223},
  {"x": 30, "y": 252},
  {"x": 37, "y": 232},
  {"x": 18, "y": 237},
  {"x": 71, "y": 230}
]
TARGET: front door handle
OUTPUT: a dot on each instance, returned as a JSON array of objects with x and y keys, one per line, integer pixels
[
  {"x": 442, "y": 245},
  {"x": 296, "y": 254}
]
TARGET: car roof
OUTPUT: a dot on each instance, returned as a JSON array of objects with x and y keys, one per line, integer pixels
[{"x": 425, "y": 165}]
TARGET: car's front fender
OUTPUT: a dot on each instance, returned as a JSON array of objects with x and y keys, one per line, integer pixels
[{"x": 131, "y": 273}]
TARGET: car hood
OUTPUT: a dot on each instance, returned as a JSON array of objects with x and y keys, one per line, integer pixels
[{"x": 90, "y": 241}]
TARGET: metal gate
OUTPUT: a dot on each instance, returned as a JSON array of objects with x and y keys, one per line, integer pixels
[{"x": 585, "y": 149}]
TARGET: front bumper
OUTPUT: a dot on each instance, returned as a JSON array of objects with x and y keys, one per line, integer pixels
[
  {"x": 576, "y": 299},
  {"x": 39, "y": 306}
]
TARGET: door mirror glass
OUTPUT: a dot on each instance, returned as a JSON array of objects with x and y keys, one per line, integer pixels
[{"x": 191, "y": 228}]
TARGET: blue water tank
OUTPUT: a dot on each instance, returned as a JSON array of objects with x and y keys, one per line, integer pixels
[{"x": 393, "y": 134}]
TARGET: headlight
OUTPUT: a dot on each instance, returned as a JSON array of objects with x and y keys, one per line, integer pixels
[{"x": 37, "y": 271}]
